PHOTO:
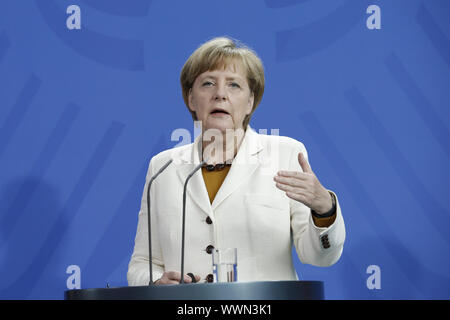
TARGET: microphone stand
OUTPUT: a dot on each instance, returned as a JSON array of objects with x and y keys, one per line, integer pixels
[
  {"x": 149, "y": 218},
  {"x": 184, "y": 217}
]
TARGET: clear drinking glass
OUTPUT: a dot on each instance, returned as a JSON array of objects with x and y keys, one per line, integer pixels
[{"x": 225, "y": 265}]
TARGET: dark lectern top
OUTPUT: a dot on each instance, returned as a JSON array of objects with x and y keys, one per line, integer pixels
[{"x": 261, "y": 290}]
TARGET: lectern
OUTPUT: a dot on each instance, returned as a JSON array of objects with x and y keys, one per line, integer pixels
[{"x": 261, "y": 290}]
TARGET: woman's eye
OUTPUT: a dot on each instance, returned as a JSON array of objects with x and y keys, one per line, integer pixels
[
  {"x": 235, "y": 85},
  {"x": 207, "y": 83}
]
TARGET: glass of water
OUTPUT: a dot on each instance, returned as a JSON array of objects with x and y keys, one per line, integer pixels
[{"x": 225, "y": 265}]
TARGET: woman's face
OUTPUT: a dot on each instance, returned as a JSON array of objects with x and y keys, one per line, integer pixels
[{"x": 221, "y": 98}]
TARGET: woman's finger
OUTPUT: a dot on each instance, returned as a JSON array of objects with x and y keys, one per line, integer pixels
[
  {"x": 294, "y": 174},
  {"x": 291, "y": 181},
  {"x": 303, "y": 193},
  {"x": 173, "y": 275},
  {"x": 304, "y": 163},
  {"x": 285, "y": 187}
]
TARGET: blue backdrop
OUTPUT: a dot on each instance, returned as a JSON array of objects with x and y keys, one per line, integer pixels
[{"x": 83, "y": 110}]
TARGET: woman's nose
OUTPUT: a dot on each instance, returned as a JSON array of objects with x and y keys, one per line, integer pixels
[{"x": 220, "y": 93}]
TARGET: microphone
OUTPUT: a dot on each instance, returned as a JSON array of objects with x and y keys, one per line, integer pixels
[
  {"x": 149, "y": 217},
  {"x": 184, "y": 218}
]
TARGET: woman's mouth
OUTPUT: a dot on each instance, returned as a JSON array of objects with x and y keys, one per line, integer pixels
[{"x": 219, "y": 112}]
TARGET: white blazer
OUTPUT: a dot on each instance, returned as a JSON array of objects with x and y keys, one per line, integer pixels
[{"x": 248, "y": 213}]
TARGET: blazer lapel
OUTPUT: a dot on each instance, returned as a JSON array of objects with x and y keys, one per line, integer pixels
[
  {"x": 196, "y": 189},
  {"x": 243, "y": 166}
]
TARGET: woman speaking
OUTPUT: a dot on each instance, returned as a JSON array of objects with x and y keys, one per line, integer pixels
[{"x": 255, "y": 192}]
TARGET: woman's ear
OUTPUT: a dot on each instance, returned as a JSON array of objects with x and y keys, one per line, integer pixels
[
  {"x": 251, "y": 99},
  {"x": 190, "y": 101}
]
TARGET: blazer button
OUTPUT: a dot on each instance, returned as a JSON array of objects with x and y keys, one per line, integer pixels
[
  {"x": 208, "y": 220},
  {"x": 209, "y": 249},
  {"x": 210, "y": 278}
]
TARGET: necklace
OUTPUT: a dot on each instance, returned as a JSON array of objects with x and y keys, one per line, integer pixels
[{"x": 217, "y": 167}]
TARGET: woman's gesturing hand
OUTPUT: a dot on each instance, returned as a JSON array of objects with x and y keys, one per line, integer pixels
[{"x": 304, "y": 187}]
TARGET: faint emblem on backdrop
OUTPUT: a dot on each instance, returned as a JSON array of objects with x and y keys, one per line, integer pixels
[
  {"x": 319, "y": 34},
  {"x": 109, "y": 50}
]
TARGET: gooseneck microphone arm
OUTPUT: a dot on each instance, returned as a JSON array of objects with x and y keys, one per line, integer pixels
[
  {"x": 149, "y": 218},
  {"x": 184, "y": 217}
]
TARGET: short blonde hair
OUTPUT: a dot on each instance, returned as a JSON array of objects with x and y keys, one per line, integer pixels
[{"x": 219, "y": 53}]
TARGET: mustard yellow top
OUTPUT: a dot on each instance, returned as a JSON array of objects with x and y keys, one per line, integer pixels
[{"x": 214, "y": 179}]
